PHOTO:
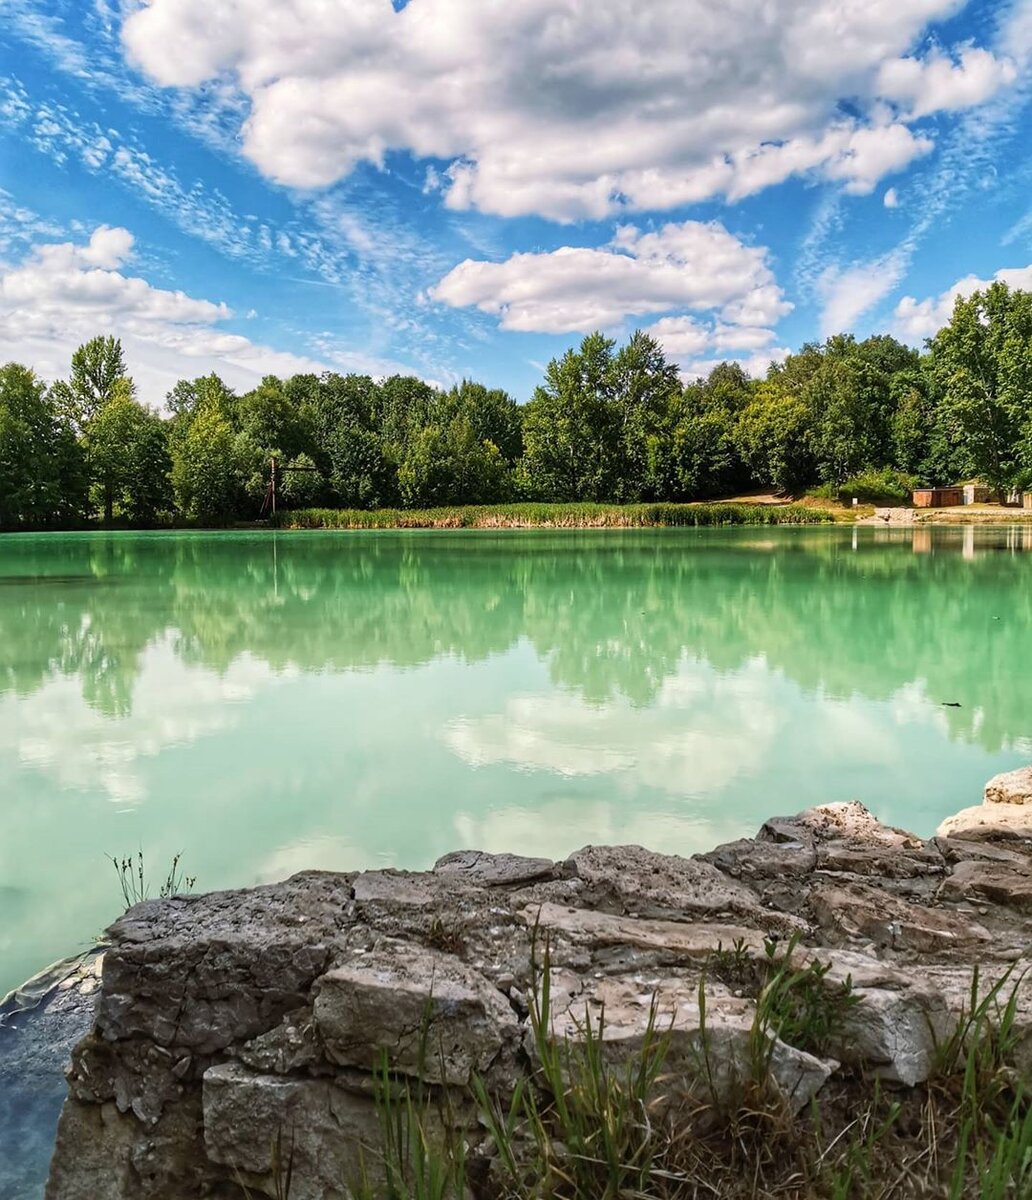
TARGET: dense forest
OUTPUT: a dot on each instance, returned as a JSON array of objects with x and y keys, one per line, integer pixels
[{"x": 607, "y": 423}]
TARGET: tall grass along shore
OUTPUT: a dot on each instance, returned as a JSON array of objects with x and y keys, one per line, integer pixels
[{"x": 554, "y": 516}]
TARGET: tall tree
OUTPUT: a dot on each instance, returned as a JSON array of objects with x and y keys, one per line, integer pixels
[
  {"x": 97, "y": 367},
  {"x": 129, "y": 459},
  {"x": 571, "y": 437},
  {"x": 42, "y": 473},
  {"x": 982, "y": 361}
]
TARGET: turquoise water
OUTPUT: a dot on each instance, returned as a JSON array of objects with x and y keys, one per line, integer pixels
[{"x": 271, "y": 702}]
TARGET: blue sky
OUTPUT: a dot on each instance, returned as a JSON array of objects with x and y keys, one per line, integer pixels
[{"x": 463, "y": 187}]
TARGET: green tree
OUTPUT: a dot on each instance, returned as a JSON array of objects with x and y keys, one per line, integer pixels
[
  {"x": 982, "y": 362},
  {"x": 706, "y": 459},
  {"x": 645, "y": 389},
  {"x": 205, "y": 467},
  {"x": 129, "y": 459},
  {"x": 773, "y": 436},
  {"x": 449, "y": 464},
  {"x": 302, "y": 483},
  {"x": 572, "y": 438},
  {"x": 97, "y": 367},
  {"x": 42, "y": 473}
]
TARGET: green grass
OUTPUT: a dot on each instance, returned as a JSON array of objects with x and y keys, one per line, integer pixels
[
  {"x": 581, "y": 1124},
  {"x": 554, "y": 516}
]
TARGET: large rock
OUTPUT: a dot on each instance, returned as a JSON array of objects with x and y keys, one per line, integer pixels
[
  {"x": 1013, "y": 787},
  {"x": 426, "y": 1013},
  {"x": 1005, "y": 812},
  {"x": 230, "y": 1023}
]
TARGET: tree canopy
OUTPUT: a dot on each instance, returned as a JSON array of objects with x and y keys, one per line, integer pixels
[{"x": 608, "y": 422}]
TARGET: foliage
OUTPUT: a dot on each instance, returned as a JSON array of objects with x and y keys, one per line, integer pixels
[
  {"x": 42, "y": 468},
  {"x": 982, "y": 363},
  {"x": 882, "y": 486},
  {"x": 609, "y": 425}
]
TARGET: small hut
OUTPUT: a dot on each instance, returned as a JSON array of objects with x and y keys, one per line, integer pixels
[{"x": 941, "y": 497}]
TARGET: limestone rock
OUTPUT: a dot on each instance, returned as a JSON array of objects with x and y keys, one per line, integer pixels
[
  {"x": 989, "y": 821},
  {"x": 634, "y": 880},
  {"x": 1006, "y": 885},
  {"x": 1012, "y": 787},
  {"x": 325, "y": 1131},
  {"x": 494, "y": 870},
  {"x": 434, "y": 1017},
  {"x": 224, "y": 1020}
]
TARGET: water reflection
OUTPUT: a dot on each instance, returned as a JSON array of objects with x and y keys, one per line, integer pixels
[
  {"x": 270, "y": 702},
  {"x": 613, "y": 615}
]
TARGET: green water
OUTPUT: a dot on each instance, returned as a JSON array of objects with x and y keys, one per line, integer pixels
[{"x": 270, "y": 702}]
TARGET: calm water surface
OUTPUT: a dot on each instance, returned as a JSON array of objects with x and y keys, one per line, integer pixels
[{"x": 270, "y": 702}]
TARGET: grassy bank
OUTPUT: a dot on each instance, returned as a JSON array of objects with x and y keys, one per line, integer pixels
[{"x": 555, "y": 516}]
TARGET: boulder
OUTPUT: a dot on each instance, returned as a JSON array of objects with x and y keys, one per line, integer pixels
[{"x": 428, "y": 1014}]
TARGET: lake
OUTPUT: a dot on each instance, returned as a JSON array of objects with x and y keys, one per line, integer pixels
[{"x": 268, "y": 702}]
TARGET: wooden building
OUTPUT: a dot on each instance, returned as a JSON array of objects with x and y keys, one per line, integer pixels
[{"x": 942, "y": 497}]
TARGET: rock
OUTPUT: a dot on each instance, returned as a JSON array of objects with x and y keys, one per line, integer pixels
[
  {"x": 853, "y": 910},
  {"x": 1005, "y": 812},
  {"x": 989, "y": 821},
  {"x": 227, "y": 1020},
  {"x": 710, "y": 1058},
  {"x": 432, "y": 1016},
  {"x": 1005, "y": 885},
  {"x": 1013, "y": 787},
  {"x": 494, "y": 870},
  {"x": 632, "y": 879},
  {"x": 323, "y": 1131}
]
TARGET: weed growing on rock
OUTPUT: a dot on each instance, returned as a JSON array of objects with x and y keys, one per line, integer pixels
[{"x": 132, "y": 879}]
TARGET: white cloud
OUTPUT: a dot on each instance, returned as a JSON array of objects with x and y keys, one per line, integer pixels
[
  {"x": 919, "y": 319},
  {"x": 938, "y": 82},
  {"x": 64, "y": 293},
  {"x": 566, "y": 108},
  {"x": 754, "y": 365},
  {"x": 695, "y": 345},
  {"x": 691, "y": 265},
  {"x": 891, "y": 198},
  {"x": 847, "y": 293}
]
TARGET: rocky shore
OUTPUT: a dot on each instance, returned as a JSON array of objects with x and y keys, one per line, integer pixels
[{"x": 224, "y": 1020}]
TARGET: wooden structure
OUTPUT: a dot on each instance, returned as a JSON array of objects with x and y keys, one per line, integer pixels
[
  {"x": 275, "y": 470},
  {"x": 942, "y": 497},
  {"x": 975, "y": 493}
]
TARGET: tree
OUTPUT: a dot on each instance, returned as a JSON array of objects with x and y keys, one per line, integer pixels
[
  {"x": 272, "y": 419},
  {"x": 129, "y": 459},
  {"x": 571, "y": 435},
  {"x": 492, "y": 413},
  {"x": 645, "y": 389},
  {"x": 705, "y": 457},
  {"x": 42, "y": 474},
  {"x": 773, "y": 436},
  {"x": 449, "y": 464},
  {"x": 97, "y": 367},
  {"x": 982, "y": 362},
  {"x": 205, "y": 472}
]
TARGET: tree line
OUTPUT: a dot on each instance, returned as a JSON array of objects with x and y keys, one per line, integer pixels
[{"x": 607, "y": 423}]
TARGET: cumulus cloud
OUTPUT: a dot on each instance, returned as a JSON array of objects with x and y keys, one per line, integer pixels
[
  {"x": 891, "y": 198},
  {"x": 695, "y": 345},
  {"x": 63, "y": 293},
  {"x": 686, "y": 265},
  {"x": 919, "y": 319},
  {"x": 938, "y": 83},
  {"x": 570, "y": 109}
]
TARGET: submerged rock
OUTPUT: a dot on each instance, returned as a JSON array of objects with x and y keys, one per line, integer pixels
[{"x": 231, "y": 1024}]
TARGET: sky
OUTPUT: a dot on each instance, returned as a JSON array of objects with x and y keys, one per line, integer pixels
[{"x": 464, "y": 188}]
